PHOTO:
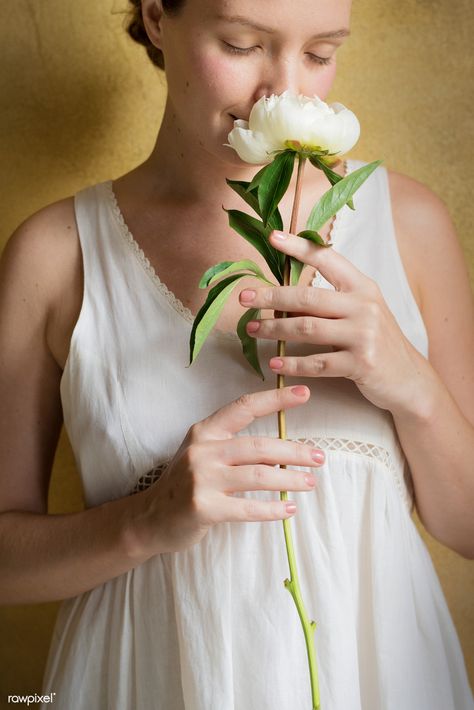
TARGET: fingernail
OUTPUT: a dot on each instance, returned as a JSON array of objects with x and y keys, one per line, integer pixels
[
  {"x": 310, "y": 480},
  {"x": 253, "y": 326},
  {"x": 300, "y": 390},
  {"x": 317, "y": 455},
  {"x": 290, "y": 507},
  {"x": 280, "y": 235},
  {"x": 248, "y": 295},
  {"x": 276, "y": 363}
]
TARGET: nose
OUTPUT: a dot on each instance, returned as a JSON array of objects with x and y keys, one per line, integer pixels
[{"x": 279, "y": 74}]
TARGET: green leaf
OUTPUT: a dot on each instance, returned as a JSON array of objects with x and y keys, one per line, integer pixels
[
  {"x": 254, "y": 232},
  {"x": 257, "y": 178},
  {"x": 296, "y": 267},
  {"x": 229, "y": 267},
  {"x": 274, "y": 183},
  {"x": 249, "y": 344},
  {"x": 313, "y": 237},
  {"x": 335, "y": 198},
  {"x": 276, "y": 222},
  {"x": 216, "y": 269},
  {"x": 332, "y": 176},
  {"x": 240, "y": 187},
  {"x": 208, "y": 314}
]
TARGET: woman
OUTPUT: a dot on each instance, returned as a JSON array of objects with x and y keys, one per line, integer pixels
[{"x": 172, "y": 601}]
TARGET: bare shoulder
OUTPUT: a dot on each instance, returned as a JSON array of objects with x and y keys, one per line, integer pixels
[
  {"x": 416, "y": 207},
  {"x": 424, "y": 228},
  {"x": 43, "y": 239},
  {"x": 41, "y": 268}
]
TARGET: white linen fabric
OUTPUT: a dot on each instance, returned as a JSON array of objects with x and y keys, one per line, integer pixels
[{"x": 213, "y": 628}]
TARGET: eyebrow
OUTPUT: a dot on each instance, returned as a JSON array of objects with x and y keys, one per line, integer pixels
[{"x": 239, "y": 19}]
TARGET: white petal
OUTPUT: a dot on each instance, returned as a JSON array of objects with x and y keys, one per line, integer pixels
[
  {"x": 250, "y": 146},
  {"x": 350, "y": 128},
  {"x": 276, "y": 119}
]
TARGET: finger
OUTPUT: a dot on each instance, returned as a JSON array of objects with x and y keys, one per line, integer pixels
[
  {"x": 338, "y": 270},
  {"x": 240, "y": 510},
  {"x": 265, "y": 478},
  {"x": 299, "y": 299},
  {"x": 303, "y": 329},
  {"x": 263, "y": 449},
  {"x": 336, "y": 364},
  {"x": 240, "y": 413}
]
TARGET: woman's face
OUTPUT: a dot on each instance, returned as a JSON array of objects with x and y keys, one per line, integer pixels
[{"x": 223, "y": 55}]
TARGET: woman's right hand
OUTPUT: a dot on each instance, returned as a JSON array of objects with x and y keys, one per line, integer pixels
[{"x": 195, "y": 490}]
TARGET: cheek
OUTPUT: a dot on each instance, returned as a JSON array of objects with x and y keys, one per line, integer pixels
[
  {"x": 324, "y": 82},
  {"x": 218, "y": 77}
]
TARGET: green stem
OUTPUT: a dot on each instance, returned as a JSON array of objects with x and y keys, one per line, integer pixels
[{"x": 292, "y": 584}]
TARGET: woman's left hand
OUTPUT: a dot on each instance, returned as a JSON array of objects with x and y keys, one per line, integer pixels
[{"x": 370, "y": 348}]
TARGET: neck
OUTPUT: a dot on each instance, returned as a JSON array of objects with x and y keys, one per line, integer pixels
[{"x": 181, "y": 169}]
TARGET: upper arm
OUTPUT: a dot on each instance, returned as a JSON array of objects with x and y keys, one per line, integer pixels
[
  {"x": 30, "y": 406},
  {"x": 434, "y": 260}
]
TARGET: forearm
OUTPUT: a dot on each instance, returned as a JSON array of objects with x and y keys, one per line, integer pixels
[
  {"x": 438, "y": 442},
  {"x": 52, "y": 557}
]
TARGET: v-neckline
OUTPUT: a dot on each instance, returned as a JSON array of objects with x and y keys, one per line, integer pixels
[{"x": 183, "y": 311}]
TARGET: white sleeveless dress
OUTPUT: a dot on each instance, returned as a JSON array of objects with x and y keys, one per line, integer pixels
[{"x": 213, "y": 628}]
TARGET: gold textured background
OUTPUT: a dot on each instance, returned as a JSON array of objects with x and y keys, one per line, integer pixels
[{"x": 80, "y": 103}]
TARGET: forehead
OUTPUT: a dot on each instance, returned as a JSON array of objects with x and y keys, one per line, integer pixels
[{"x": 280, "y": 16}]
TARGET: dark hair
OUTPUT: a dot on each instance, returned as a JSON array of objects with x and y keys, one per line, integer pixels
[{"x": 136, "y": 28}]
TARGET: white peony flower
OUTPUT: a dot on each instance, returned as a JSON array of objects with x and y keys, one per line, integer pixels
[{"x": 290, "y": 121}]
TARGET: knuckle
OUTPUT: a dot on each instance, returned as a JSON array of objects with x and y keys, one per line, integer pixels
[
  {"x": 245, "y": 401},
  {"x": 260, "y": 475},
  {"x": 290, "y": 365},
  {"x": 308, "y": 296},
  {"x": 373, "y": 288},
  {"x": 199, "y": 505},
  {"x": 259, "y": 445},
  {"x": 372, "y": 310},
  {"x": 195, "y": 432},
  {"x": 317, "y": 363},
  {"x": 368, "y": 358},
  {"x": 275, "y": 511},
  {"x": 192, "y": 455},
  {"x": 301, "y": 451},
  {"x": 270, "y": 297},
  {"x": 251, "y": 509},
  {"x": 306, "y": 325}
]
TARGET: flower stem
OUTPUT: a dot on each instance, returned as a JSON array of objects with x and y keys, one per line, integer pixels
[{"x": 292, "y": 584}]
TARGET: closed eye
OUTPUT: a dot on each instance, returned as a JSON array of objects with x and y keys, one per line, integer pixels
[
  {"x": 319, "y": 60},
  {"x": 239, "y": 50},
  {"x": 232, "y": 49}
]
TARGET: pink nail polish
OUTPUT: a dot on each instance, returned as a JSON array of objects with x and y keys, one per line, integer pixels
[
  {"x": 248, "y": 295},
  {"x": 253, "y": 326},
  {"x": 317, "y": 455},
  {"x": 276, "y": 363}
]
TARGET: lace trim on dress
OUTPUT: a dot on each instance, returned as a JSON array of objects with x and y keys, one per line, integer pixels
[
  {"x": 149, "y": 478},
  {"x": 372, "y": 451},
  {"x": 360, "y": 448},
  {"x": 173, "y": 300}
]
